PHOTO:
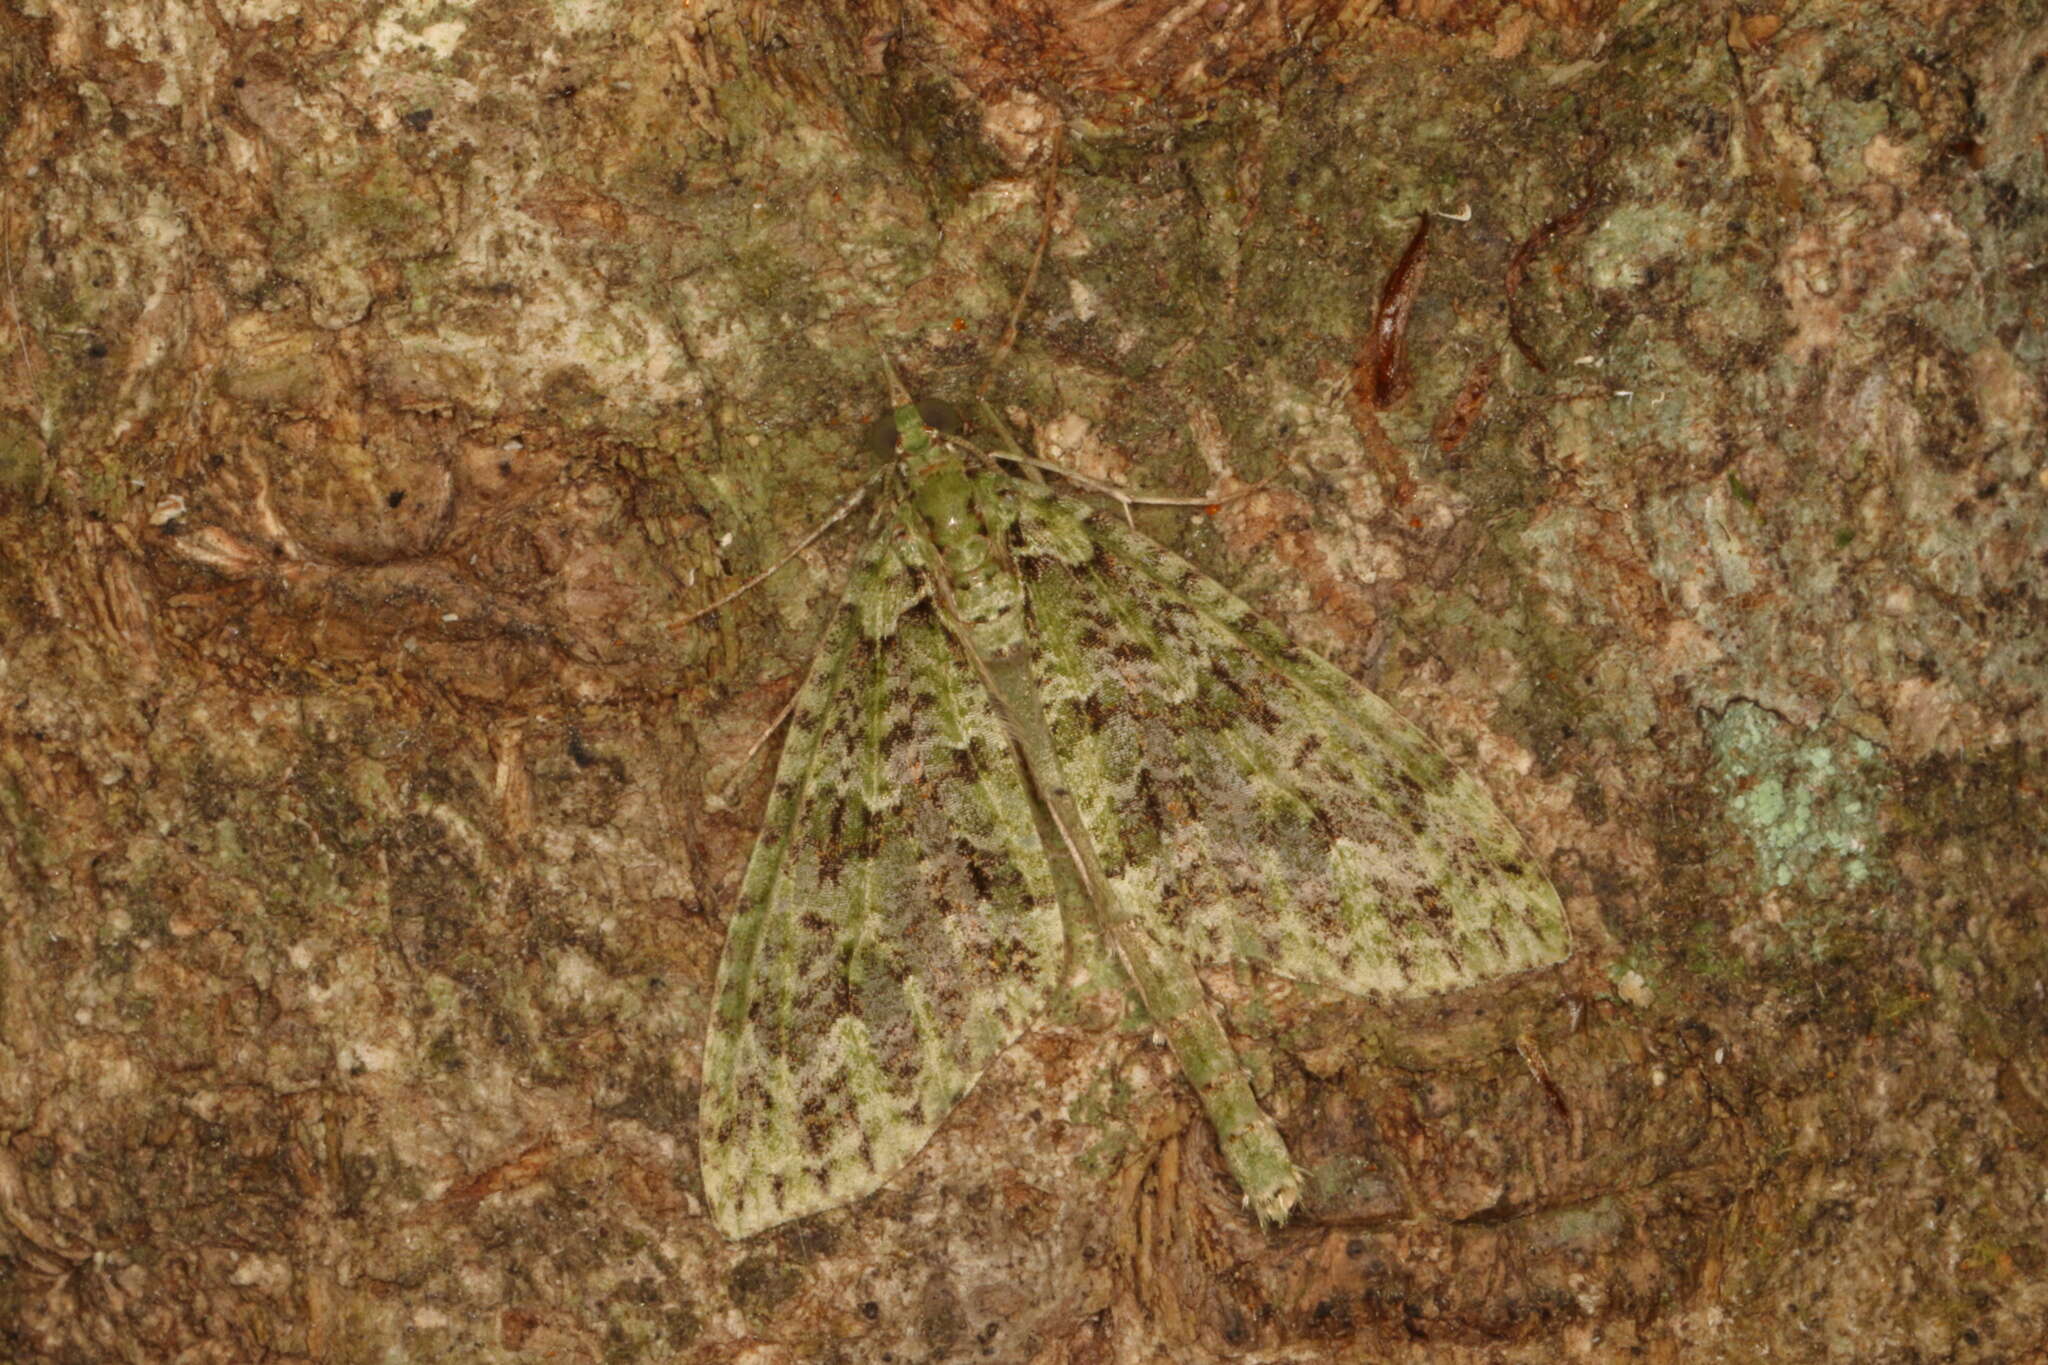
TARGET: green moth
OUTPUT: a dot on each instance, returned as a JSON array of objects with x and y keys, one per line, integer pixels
[{"x": 1028, "y": 727}]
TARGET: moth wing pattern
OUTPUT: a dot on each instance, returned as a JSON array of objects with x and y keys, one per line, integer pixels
[
  {"x": 1253, "y": 799},
  {"x": 897, "y": 927}
]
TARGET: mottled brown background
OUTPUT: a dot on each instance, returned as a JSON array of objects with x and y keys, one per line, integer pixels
[{"x": 381, "y": 385}]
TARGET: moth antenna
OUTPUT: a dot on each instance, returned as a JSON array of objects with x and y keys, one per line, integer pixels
[
  {"x": 838, "y": 514},
  {"x": 1001, "y": 428}
]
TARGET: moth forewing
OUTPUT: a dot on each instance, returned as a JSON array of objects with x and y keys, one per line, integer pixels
[
  {"x": 1307, "y": 812},
  {"x": 1029, "y": 721},
  {"x": 897, "y": 926}
]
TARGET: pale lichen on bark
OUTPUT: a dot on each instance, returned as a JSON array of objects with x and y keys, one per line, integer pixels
[{"x": 377, "y": 389}]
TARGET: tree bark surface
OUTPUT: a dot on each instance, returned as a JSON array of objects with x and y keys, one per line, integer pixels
[{"x": 383, "y": 387}]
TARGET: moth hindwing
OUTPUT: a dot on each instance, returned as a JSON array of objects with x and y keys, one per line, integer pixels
[{"x": 1026, "y": 721}]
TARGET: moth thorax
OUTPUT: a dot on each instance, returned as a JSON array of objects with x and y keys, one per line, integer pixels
[{"x": 986, "y": 594}]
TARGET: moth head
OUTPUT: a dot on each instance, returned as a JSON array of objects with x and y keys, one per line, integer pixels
[{"x": 886, "y": 435}]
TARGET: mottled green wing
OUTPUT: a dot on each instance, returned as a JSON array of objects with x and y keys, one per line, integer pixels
[
  {"x": 897, "y": 923},
  {"x": 1254, "y": 800}
]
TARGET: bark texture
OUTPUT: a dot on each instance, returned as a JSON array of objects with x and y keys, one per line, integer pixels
[{"x": 382, "y": 385}]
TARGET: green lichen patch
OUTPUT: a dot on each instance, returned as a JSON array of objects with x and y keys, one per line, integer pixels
[{"x": 1808, "y": 804}]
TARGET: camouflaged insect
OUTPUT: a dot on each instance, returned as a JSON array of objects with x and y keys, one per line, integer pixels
[{"x": 1028, "y": 724}]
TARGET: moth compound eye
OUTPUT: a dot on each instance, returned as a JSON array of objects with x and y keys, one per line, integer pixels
[
  {"x": 879, "y": 437},
  {"x": 940, "y": 416}
]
